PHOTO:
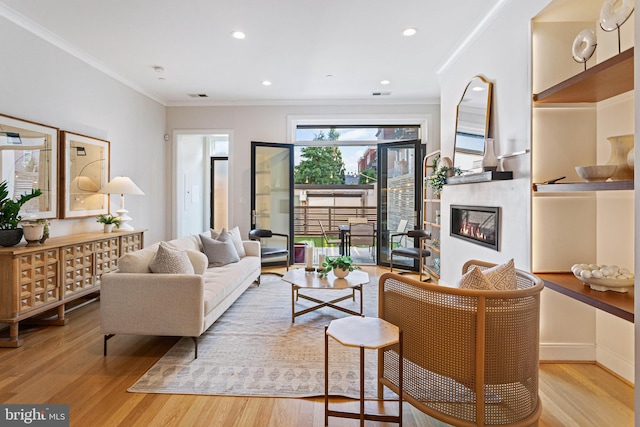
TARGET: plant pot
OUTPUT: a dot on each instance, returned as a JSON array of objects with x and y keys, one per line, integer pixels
[
  {"x": 108, "y": 228},
  {"x": 10, "y": 237},
  {"x": 33, "y": 233},
  {"x": 340, "y": 273}
]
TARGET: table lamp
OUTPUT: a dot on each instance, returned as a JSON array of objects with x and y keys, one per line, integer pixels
[{"x": 122, "y": 185}]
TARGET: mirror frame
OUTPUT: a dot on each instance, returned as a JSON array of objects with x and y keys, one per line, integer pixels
[
  {"x": 70, "y": 176},
  {"x": 49, "y": 189},
  {"x": 487, "y": 119}
]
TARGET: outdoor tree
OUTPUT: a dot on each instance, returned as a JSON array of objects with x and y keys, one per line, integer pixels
[
  {"x": 368, "y": 176},
  {"x": 320, "y": 165}
]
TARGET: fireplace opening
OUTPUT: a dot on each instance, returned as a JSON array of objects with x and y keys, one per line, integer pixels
[{"x": 476, "y": 224}]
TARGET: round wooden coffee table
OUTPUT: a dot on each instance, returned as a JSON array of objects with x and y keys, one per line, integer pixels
[{"x": 301, "y": 279}]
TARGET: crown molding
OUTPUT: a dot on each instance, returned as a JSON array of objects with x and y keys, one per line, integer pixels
[{"x": 316, "y": 102}]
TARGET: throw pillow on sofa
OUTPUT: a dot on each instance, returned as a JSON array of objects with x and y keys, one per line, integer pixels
[
  {"x": 499, "y": 278},
  {"x": 237, "y": 241},
  {"x": 220, "y": 251},
  {"x": 171, "y": 261}
]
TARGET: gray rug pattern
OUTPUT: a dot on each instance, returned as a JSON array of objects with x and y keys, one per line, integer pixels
[{"x": 254, "y": 350}]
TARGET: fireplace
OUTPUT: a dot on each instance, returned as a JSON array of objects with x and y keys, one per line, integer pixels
[{"x": 476, "y": 224}]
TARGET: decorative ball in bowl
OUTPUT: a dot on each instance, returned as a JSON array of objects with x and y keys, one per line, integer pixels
[
  {"x": 604, "y": 277},
  {"x": 597, "y": 173}
]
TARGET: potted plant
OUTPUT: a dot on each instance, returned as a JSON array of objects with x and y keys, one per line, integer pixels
[
  {"x": 340, "y": 265},
  {"x": 109, "y": 222},
  {"x": 441, "y": 171},
  {"x": 10, "y": 233}
]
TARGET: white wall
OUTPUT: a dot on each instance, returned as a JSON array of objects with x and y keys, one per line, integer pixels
[
  {"x": 39, "y": 82},
  {"x": 500, "y": 53},
  {"x": 269, "y": 124}
]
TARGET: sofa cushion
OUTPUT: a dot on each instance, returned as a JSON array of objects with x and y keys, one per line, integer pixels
[
  {"x": 219, "y": 252},
  {"x": 199, "y": 261},
  {"x": 237, "y": 241},
  {"x": 137, "y": 261},
  {"x": 171, "y": 261}
]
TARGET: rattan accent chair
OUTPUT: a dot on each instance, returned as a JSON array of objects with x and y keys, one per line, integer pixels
[{"x": 470, "y": 356}]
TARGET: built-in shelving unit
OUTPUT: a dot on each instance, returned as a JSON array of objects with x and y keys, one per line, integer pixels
[
  {"x": 430, "y": 220},
  {"x": 602, "y": 81},
  {"x": 605, "y": 80}
]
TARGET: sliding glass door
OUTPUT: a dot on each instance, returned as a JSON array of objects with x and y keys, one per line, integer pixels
[{"x": 399, "y": 197}]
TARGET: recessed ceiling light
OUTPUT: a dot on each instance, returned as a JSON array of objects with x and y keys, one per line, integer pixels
[
  {"x": 238, "y": 35},
  {"x": 266, "y": 83},
  {"x": 384, "y": 82},
  {"x": 329, "y": 76},
  {"x": 409, "y": 32},
  {"x": 158, "y": 69}
]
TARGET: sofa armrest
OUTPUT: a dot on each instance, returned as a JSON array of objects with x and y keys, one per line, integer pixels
[
  {"x": 152, "y": 304},
  {"x": 251, "y": 247}
]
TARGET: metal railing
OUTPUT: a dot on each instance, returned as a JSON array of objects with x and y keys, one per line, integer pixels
[{"x": 306, "y": 218}]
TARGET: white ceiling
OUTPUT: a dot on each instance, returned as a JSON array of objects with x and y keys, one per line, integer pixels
[{"x": 294, "y": 44}]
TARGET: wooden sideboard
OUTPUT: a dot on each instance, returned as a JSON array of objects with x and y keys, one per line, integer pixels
[{"x": 40, "y": 278}]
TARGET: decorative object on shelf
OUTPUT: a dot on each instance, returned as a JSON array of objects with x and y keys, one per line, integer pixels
[
  {"x": 33, "y": 232},
  {"x": 10, "y": 233},
  {"x": 583, "y": 46},
  {"x": 489, "y": 159},
  {"x": 437, "y": 217},
  {"x": 604, "y": 277},
  {"x": 620, "y": 147},
  {"x": 442, "y": 169},
  {"x": 122, "y": 185},
  {"x": 613, "y": 14},
  {"x": 598, "y": 173},
  {"x": 631, "y": 158},
  {"x": 84, "y": 170},
  {"x": 341, "y": 266},
  {"x": 109, "y": 222}
]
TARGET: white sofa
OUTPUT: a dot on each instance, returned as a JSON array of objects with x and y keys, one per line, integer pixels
[{"x": 135, "y": 301}]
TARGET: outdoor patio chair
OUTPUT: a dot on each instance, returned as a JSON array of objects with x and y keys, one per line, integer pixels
[
  {"x": 362, "y": 235},
  {"x": 326, "y": 241}
]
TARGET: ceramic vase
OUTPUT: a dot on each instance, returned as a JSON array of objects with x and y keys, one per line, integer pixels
[
  {"x": 108, "y": 228},
  {"x": 33, "y": 233},
  {"x": 10, "y": 237},
  {"x": 489, "y": 159},
  {"x": 340, "y": 273},
  {"x": 620, "y": 148}
]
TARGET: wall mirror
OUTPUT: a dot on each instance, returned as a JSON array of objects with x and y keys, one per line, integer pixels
[
  {"x": 28, "y": 161},
  {"x": 472, "y": 125},
  {"x": 85, "y": 163}
]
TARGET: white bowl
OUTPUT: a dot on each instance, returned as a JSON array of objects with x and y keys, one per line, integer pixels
[
  {"x": 597, "y": 173},
  {"x": 616, "y": 285}
]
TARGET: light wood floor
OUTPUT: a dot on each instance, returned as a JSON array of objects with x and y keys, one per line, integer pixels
[{"x": 64, "y": 364}]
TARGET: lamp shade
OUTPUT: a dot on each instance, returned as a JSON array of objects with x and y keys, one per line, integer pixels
[{"x": 121, "y": 185}]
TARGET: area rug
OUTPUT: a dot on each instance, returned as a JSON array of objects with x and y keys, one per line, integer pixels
[{"x": 255, "y": 350}]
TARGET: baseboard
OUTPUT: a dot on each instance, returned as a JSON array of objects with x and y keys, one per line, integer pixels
[
  {"x": 615, "y": 364},
  {"x": 562, "y": 352}
]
